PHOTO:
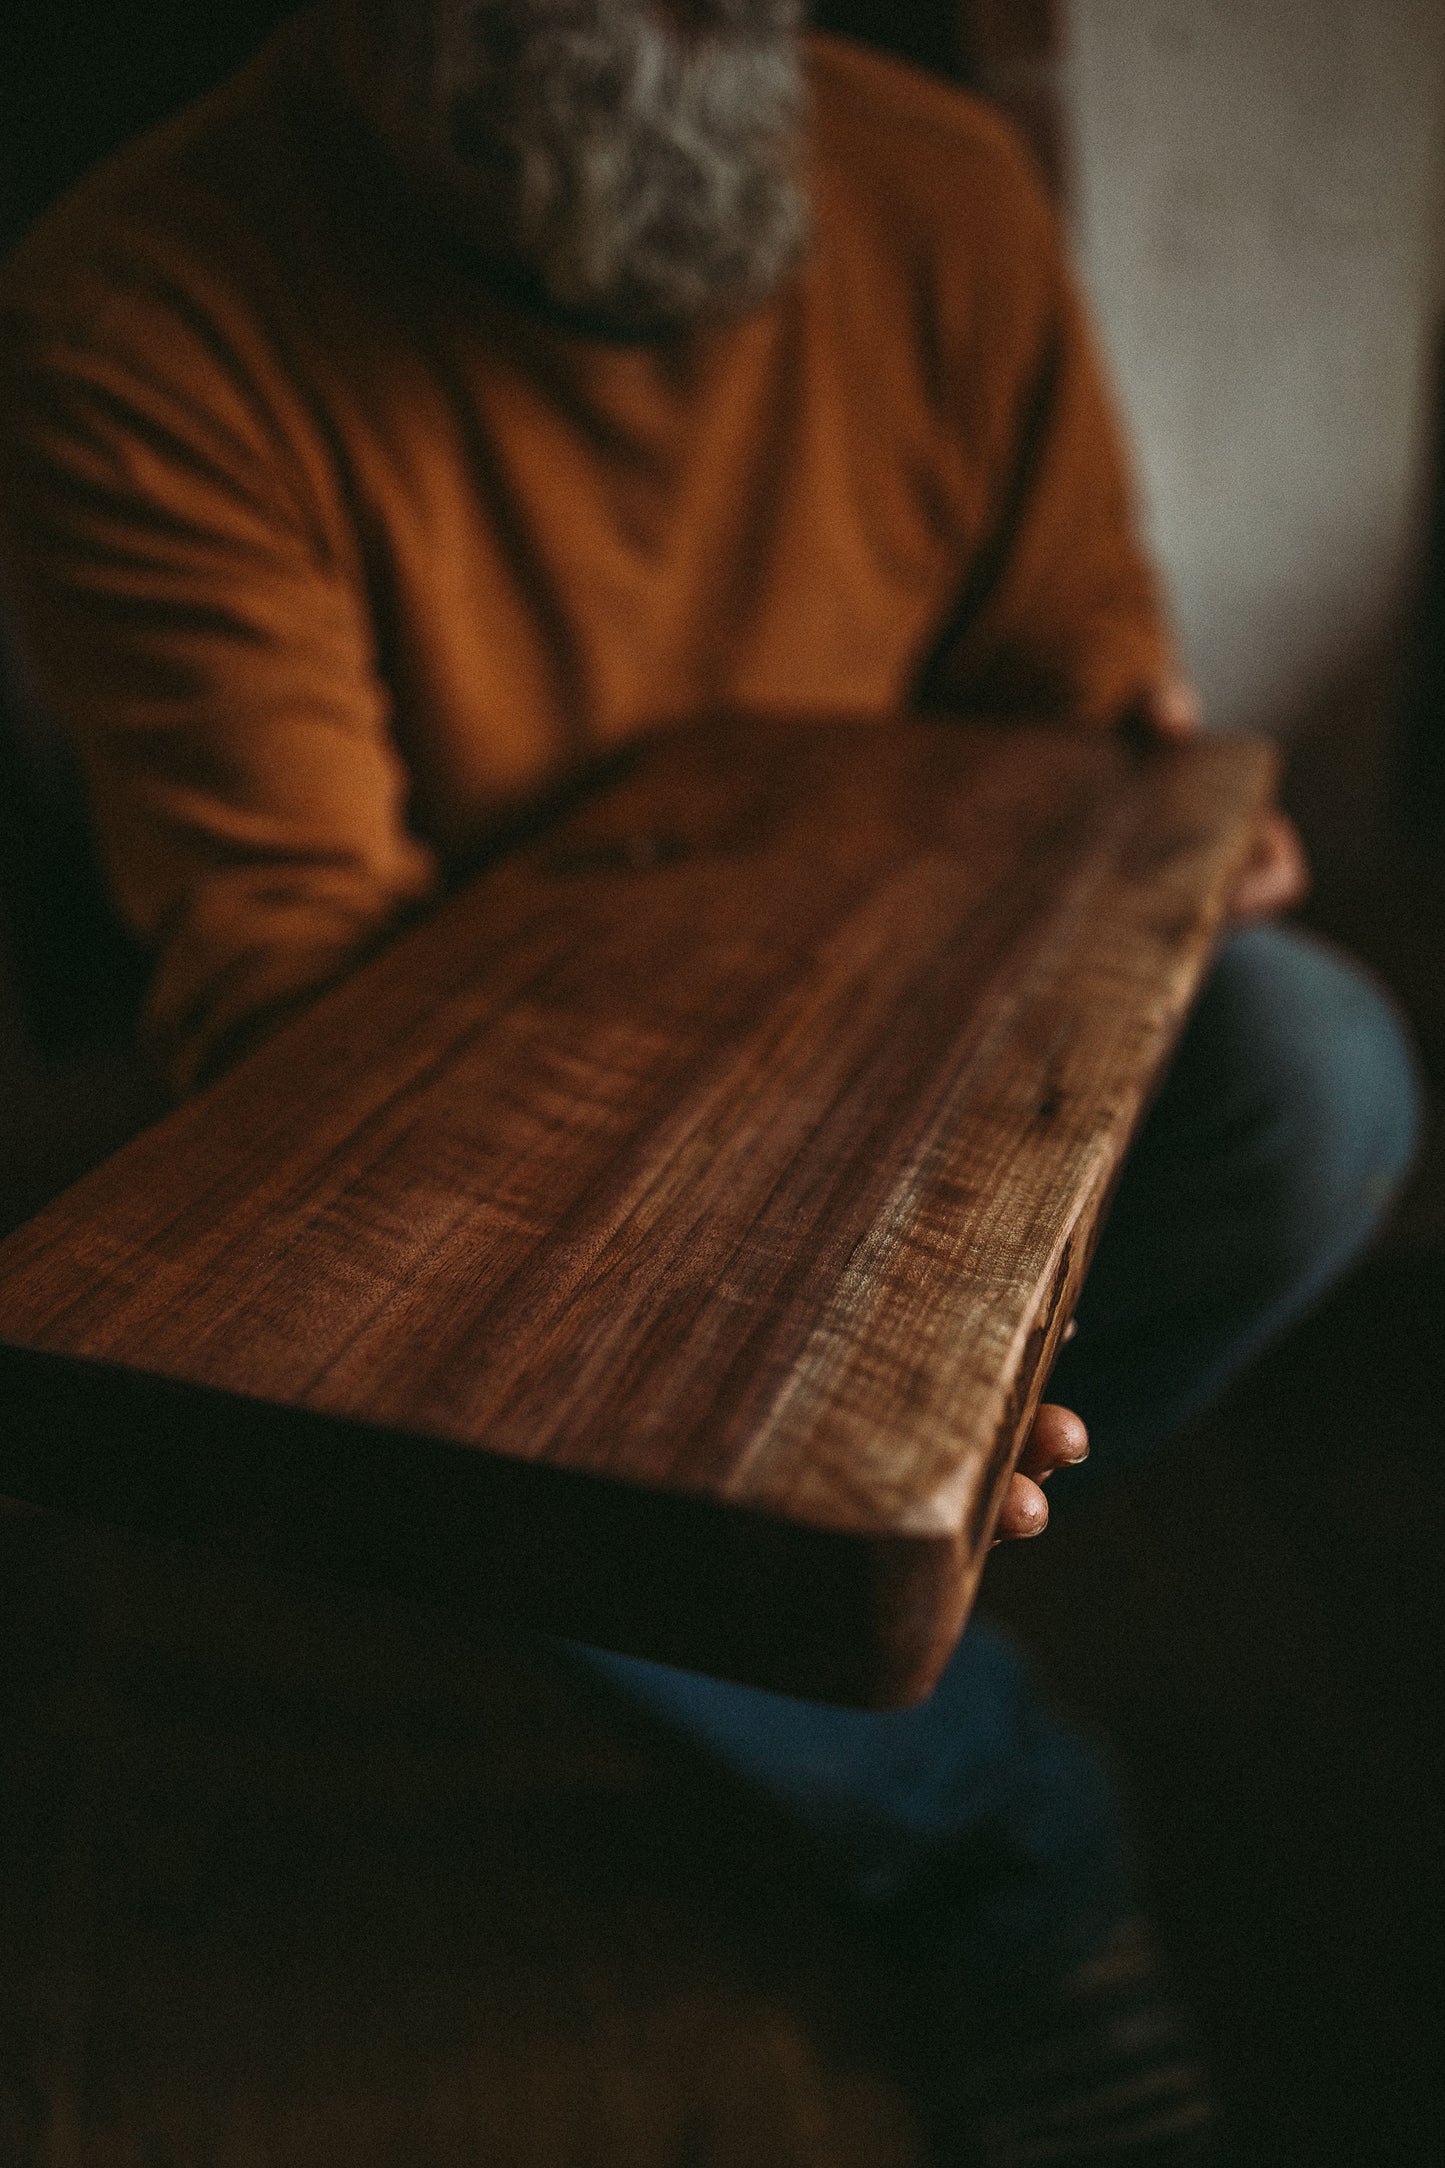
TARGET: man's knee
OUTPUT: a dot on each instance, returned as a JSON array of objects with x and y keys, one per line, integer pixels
[{"x": 1333, "y": 1110}]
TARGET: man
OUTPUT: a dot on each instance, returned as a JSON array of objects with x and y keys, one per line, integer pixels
[{"x": 471, "y": 384}]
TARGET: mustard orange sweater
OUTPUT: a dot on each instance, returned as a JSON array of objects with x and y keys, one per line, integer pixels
[{"x": 326, "y": 554}]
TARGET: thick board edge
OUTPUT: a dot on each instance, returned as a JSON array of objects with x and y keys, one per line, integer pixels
[{"x": 477, "y": 1540}]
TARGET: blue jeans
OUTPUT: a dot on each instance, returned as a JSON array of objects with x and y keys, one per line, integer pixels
[{"x": 1283, "y": 1129}]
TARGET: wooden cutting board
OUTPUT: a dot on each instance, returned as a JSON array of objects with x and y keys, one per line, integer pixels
[{"x": 665, "y": 1242}]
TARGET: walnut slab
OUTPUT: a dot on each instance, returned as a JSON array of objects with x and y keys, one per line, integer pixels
[{"x": 665, "y": 1242}]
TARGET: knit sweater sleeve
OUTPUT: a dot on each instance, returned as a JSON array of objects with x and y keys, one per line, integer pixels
[
  {"x": 1060, "y": 612},
  {"x": 187, "y": 617}
]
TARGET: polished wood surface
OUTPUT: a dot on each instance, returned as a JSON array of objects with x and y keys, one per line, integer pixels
[{"x": 666, "y": 1242}]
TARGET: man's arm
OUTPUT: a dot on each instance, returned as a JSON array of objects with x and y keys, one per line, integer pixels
[
  {"x": 1060, "y": 613},
  {"x": 190, "y": 617}
]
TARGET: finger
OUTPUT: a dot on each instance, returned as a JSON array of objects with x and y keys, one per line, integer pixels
[
  {"x": 1167, "y": 712},
  {"x": 1024, "y": 1512},
  {"x": 1057, "y": 1439},
  {"x": 1277, "y": 875},
  {"x": 1172, "y": 709}
]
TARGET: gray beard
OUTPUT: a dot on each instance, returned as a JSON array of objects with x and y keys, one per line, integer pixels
[{"x": 633, "y": 174}]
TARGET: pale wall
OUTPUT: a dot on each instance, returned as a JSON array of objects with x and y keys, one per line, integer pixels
[{"x": 1259, "y": 212}]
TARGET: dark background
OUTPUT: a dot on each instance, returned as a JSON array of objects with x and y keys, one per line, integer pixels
[{"x": 79, "y": 76}]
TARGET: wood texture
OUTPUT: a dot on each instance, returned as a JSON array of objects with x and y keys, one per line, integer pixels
[{"x": 666, "y": 1242}]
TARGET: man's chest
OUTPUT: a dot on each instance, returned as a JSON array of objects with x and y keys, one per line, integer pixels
[{"x": 566, "y": 548}]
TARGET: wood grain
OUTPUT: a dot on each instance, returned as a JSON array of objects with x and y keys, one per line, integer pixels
[{"x": 666, "y": 1242}]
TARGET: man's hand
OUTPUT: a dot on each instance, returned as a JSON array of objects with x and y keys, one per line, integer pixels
[
  {"x": 1277, "y": 876},
  {"x": 1058, "y": 1440}
]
